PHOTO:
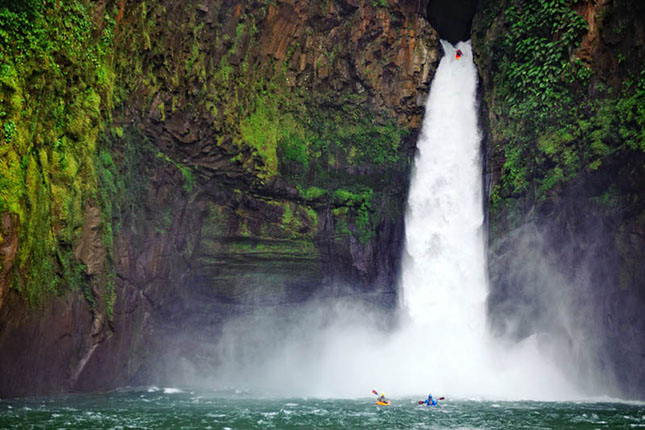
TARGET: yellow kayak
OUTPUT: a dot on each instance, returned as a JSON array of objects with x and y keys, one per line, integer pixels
[{"x": 388, "y": 403}]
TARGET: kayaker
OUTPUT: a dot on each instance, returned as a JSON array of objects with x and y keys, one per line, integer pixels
[
  {"x": 430, "y": 401},
  {"x": 382, "y": 398},
  {"x": 458, "y": 54}
]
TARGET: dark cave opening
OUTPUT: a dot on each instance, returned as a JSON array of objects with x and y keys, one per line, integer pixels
[{"x": 452, "y": 18}]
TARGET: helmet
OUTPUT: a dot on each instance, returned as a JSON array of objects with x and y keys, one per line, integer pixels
[
  {"x": 383, "y": 394},
  {"x": 429, "y": 396}
]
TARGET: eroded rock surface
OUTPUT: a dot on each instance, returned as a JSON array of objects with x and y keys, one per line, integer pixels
[{"x": 258, "y": 156}]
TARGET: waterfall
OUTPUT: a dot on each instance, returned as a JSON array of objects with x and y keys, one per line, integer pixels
[{"x": 443, "y": 276}]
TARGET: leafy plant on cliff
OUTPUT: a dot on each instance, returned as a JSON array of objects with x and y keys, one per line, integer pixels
[
  {"x": 553, "y": 118},
  {"x": 532, "y": 84},
  {"x": 361, "y": 203}
]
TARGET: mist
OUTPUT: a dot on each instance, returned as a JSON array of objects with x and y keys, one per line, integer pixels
[
  {"x": 341, "y": 349},
  {"x": 539, "y": 292}
]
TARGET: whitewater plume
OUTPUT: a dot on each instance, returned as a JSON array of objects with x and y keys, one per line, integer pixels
[{"x": 444, "y": 268}]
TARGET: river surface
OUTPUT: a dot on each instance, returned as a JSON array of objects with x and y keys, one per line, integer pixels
[{"x": 152, "y": 408}]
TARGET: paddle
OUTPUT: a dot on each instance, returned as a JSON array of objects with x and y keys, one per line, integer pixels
[
  {"x": 423, "y": 401},
  {"x": 379, "y": 401}
]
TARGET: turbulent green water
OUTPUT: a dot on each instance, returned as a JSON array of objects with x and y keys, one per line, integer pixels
[{"x": 172, "y": 409}]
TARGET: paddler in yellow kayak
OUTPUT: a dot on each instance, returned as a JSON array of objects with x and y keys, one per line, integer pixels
[{"x": 381, "y": 400}]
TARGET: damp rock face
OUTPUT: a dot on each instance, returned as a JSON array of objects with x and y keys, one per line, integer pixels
[
  {"x": 204, "y": 159},
  {"x": 565, "y": 168}
]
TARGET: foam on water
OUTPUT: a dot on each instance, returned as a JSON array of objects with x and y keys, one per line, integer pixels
[{"x": 124, "y": 409}]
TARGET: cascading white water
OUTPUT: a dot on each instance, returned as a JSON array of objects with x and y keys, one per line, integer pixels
[
  {"x": 444, "y": 266},
  {"x": 443, "y": 277},
  {"x": 443, "y": 347}
]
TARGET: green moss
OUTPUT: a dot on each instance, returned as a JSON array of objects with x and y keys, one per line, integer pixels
[
  {"x": 9, "y": 131},
  {"x": 240, "y": 30},
  {"x": 110, "y": 294},
  {"x": 293, "y": 149},
  {"x": 60, "y": 79},
  {"x": 186, "y": 172},
  {"x": 311, "y": 138},
  {"x": 224, "y": 71},
  {"x": 298, "y": 222},
  {"x": 287, "y": 215},
  {"x": 312, "y": 193},
  {"x": 55, "y": 80},
  {"x": 341, "y": 229},
  {"x": 262, "y": 130},
  {"x": 161, "y": 107},
  {"x": 313, "y": 217},
  {"x": 360, "y": 204}
]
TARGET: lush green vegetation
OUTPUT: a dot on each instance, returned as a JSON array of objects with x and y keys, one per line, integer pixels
[
  {"x": 553, "y": 118},
  {"x": 62, "y": 80},
  {"x": 55, "y": 83},
  {"x": 532, "y": 86}
]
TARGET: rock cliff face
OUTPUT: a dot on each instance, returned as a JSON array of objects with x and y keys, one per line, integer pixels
[
  {"x": 166, "y": 165},
  {"x": 241, "y": 154},
  {"x": 563, "y": 90}
]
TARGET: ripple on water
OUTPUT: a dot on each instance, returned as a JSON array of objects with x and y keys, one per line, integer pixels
[{"x": 128, "y": 410}]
